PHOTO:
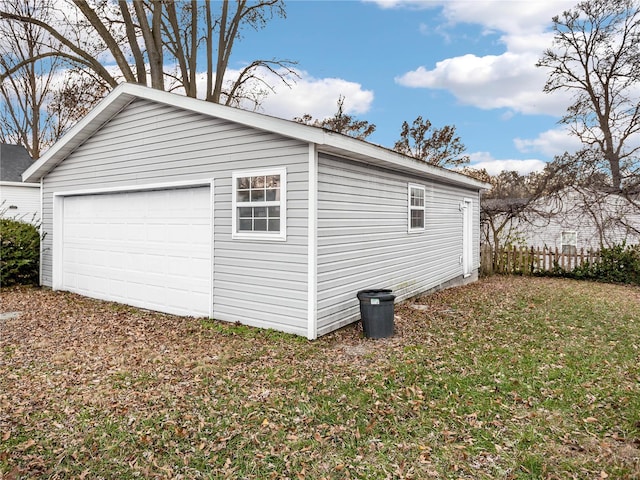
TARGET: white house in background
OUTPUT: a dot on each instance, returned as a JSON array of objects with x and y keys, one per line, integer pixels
[
  {"x": 17, "y": 199},
  {"x": 578, "y": 219},
  {"x": 183, "y": 206}
]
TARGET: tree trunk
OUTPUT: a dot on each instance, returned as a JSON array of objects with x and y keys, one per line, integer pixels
[
  {"x": 150, "y": 34},
  {"x": 141, "y": 69},
  {"x": 106, "y": 36}
]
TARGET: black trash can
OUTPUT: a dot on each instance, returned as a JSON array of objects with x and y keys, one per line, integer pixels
[{"x": 376, "y": 312}]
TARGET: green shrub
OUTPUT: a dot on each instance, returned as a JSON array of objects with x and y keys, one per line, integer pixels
[
  {"x": 19, "y": 253},
  {"x": 618, "y": 264}
]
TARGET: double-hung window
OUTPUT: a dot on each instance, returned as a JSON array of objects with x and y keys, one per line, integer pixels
[
  {"x": 416, "y": 210},
  {"x": 259, "y": 204},
  {"x": 569, "y": 242}
]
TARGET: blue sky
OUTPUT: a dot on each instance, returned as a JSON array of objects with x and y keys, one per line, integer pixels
[{"x": 466, "y": 63}]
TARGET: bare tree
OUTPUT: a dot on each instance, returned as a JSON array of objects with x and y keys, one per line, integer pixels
[
  {"x": 24, "y": 90},
  {"x": 514, "y": 201},
  {"x": 153, "y": 42},
  {"x": 436, "y": 146},
  {"x": 596, "y": 56},
  {"x": 341, "y": 122},
  {"x": 74, "y": 96},
  {"x": 162, "y": 43},
  {"x": 30, "y": 90}
]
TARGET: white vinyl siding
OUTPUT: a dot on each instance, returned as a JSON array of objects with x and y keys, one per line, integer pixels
[
  {"x": 20, "y": 202},
  {"x": 259, "y": 283},
  {"x": 363, "y": 239}
]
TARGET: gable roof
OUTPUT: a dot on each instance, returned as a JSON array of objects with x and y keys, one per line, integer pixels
[
  {"x": 14, "y": 160},
  {"x": 325, "y": 141}
]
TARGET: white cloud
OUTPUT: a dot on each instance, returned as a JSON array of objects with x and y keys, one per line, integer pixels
[
  {"x": 515, "y": 16},
  {"x": 317, "y": 97},
  {"x": 417, "y": 4},
  {"x": 519, "y": 17},
  {"x": 493, "y": 81},
  {"x": 494, "y": 166},
  {"x": 509, "y": 80},
  {"x": 550, "y": 143}
]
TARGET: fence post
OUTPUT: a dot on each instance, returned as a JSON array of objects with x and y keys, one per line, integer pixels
[{"x": 530, "y": 261}]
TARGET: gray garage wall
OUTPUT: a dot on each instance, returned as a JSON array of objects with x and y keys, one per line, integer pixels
[
  {"x": 262, "y": 283},
  {"x": 363, "y": 240}
]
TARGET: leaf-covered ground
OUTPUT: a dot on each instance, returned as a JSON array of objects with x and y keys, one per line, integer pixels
[{"x": 506, "y": 378}]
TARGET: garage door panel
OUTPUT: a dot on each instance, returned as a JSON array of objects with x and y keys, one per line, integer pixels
[{"x": 150, "y": 249}]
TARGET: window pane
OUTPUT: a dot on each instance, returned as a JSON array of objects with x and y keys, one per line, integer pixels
[
  {"x": 242, "y": 195},
  {"x": 244, "y": 212},
  {"x": 257, "y": 195},
  {"x": 257, "y": 182},
  {"x": 417, "y": 219},
  {"x": 243, "y": 182},
  {"x": 260, "y": 225},
  {"x": 260, "y": 212},
  {"x": 417, "y": 197},
  {"x": 274, "y": 225},
  {"x": 272, "y": 181},
  {"x": 273, "y": 195},
  {"x": 244, "y": 225},
  {"x": 274, "y": 212}
]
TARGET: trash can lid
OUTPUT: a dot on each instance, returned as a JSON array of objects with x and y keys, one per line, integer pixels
[
  {"x": 383, "y": 295},
  {"x": 373, "y": 292}
]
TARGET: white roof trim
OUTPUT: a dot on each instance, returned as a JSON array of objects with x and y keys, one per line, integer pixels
[
  {"x": 19, "y": 184},
  {"x": 329, "y": 142}
]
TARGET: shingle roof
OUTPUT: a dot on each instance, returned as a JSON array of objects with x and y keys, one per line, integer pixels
[{"x": 14, "y": 160}]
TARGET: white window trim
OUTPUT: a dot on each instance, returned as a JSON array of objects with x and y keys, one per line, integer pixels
[
  {"x": 280, "y": 236},
  {"x": 410, "y": 207}
]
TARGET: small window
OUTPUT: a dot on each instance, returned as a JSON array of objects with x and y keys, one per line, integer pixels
[
  {"x": 569, "y": 241},
  {"x": 259, "y": 204},
  {"x": 416, "y": 208}
]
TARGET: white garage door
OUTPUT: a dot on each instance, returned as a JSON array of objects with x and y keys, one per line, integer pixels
[{"x": 150, "y": 249}]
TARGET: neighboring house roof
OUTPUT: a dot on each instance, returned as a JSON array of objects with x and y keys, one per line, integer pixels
[
  {"x": 14, "y": 160},
  {"x": 325, "y": 141},
  {"x": 504, "y": 205}
]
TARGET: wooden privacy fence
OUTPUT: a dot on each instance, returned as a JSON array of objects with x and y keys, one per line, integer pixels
[{"x": 530, "y": 260}]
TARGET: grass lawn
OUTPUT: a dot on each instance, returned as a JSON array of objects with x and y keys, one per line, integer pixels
[{"x": 508, "y": 378}]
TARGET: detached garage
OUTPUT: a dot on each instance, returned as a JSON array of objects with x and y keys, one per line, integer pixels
[{"x": 178, "y": 205}]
